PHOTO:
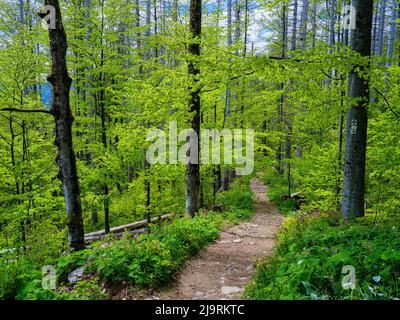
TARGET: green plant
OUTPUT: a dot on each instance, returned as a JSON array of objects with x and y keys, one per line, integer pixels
[
  {"x": 88, "y": 289},
  {"x": 68, "y": 263},
  {"x": 312, "y": 250}
]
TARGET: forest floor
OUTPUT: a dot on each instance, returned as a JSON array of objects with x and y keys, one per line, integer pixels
[{"x": 221, "y": 270}]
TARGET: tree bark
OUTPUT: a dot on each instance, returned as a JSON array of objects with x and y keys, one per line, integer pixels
[
  {"x": 303, "y": 25},
  {"x": 381, "y": 28},
  {"x": 392, "y": 33},
  {"x": 61, "y": 111},
  {"x": 193, "y": 169},
  {"x": 279, "y": 150},
  {"x": 357, "y": 120}
]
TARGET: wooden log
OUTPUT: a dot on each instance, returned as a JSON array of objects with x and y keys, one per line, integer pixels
[
  {"x": 116, "y": 235},
  {"x": 131, "y": 226}
]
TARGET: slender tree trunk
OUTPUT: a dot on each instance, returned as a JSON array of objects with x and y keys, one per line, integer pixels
[
  {"x": 314, "y": 24},
  {"x": 332, "y": 20},
  {"x": 103, "y": 116},
  {"x": 303, "y": 25},
  {"x": 294, "y": 26},
  {"x": 381, "y": 28},
  {"x": 193, "y": 169},
  {"x": 281, "y": 102},
  {"x": 228, "y": 95},
  {"x": 392, "y": 33},
  {"x": 246, "y": 26},
  {"x": 357, "y": 120}
]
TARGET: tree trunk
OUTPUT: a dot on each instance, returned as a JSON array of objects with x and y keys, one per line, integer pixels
[
  {"x": 61, "y": 111},
  {"x": 392, "y": 33},
  {"x": 303, "y": 25},
  {"x": 193, "y": 169},
  {"x": 294, "y": 26},
  {"x": 281, "y": 102},
  {"x": 357, "y": 120},
  {"x": 381, "y": 28},
  {"x": 332, "y": 20},
  {"x": 314, "y": 24}
]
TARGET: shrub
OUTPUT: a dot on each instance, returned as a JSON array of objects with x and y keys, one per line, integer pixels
[
  {"x": 278, "y": 192},
  {"x": 148, "y": 260},
  {"x": 112, "y": 263},
  {"x": 238, "y": 196},
  {"x": 308, "y": 261}
]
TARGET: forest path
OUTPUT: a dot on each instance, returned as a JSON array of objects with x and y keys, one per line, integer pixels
[{"x": 221, "y": 270}]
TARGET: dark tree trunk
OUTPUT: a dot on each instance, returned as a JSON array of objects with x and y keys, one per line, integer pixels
[
  {"x": 357, "y": 120},
  {"x": 61, "y": 111},
  {"x": 193, "y": 169},
  {"x": 147, "y": 190},
  {"x": 279, "y": 150}
]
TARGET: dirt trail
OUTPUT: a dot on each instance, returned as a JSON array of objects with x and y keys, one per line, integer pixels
[{"x": 222, "y": 269}]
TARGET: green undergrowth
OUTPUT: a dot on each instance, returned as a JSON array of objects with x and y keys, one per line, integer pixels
[
  {"x": 312, "y": 250},
  {"x": 149, "y": 260},
  {"x": 278, "y": 192}
]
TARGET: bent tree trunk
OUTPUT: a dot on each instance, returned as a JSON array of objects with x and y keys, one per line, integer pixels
[
  {"x": 193, "y": 169},
  {"x": 61, "y": 111},
  {"x": 357, "y": 119}
]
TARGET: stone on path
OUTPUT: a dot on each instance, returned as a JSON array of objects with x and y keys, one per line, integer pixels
[{"x": 230, "y": 290}]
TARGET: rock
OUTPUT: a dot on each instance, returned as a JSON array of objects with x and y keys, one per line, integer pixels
[
  {"x": 296, "y": 195},
  {"x": 230, "y": 290},
  {"x": 76, "y": 275},
  {"x": 237, "y": 240}
]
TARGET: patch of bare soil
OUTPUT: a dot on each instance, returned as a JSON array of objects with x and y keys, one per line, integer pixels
[{"x": 221, "y": 270}]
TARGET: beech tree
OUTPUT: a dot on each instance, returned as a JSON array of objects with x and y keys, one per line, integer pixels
[
  {"x": 353, "y": 194},
  {"x": 60, "y": 110},
  {"x": 193, "y": 169}
]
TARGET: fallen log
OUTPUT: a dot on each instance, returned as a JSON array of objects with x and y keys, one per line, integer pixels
[
  {"x": 131, "y": 226},
  {"x": 116, "y": 235}
]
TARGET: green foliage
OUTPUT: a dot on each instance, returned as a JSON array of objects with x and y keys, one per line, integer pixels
[
  {"x": 151, "y": 259},
  {"x": 311, "y": 252},
  {"x": 20, "y": 280},
  {"x": 70, "y": 262},
  {"x": 148, "y": 260},
  {"x": 278, "y": 192},
  {"x": 13, "y": 273},
  {"x": 238, "y": 197},
  {"x": 129, "y": 79},
  {"x": 88, "y": 289},
  {"x": 45, "y": 243}
]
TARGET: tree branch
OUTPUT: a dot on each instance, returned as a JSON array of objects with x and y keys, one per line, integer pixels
[
  {"x": 387, "y": 102},
  {"x": 26, "y": 110}
]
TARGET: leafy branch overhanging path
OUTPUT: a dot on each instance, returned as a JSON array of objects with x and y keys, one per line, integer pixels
[{"x": 223, "y": 269}]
